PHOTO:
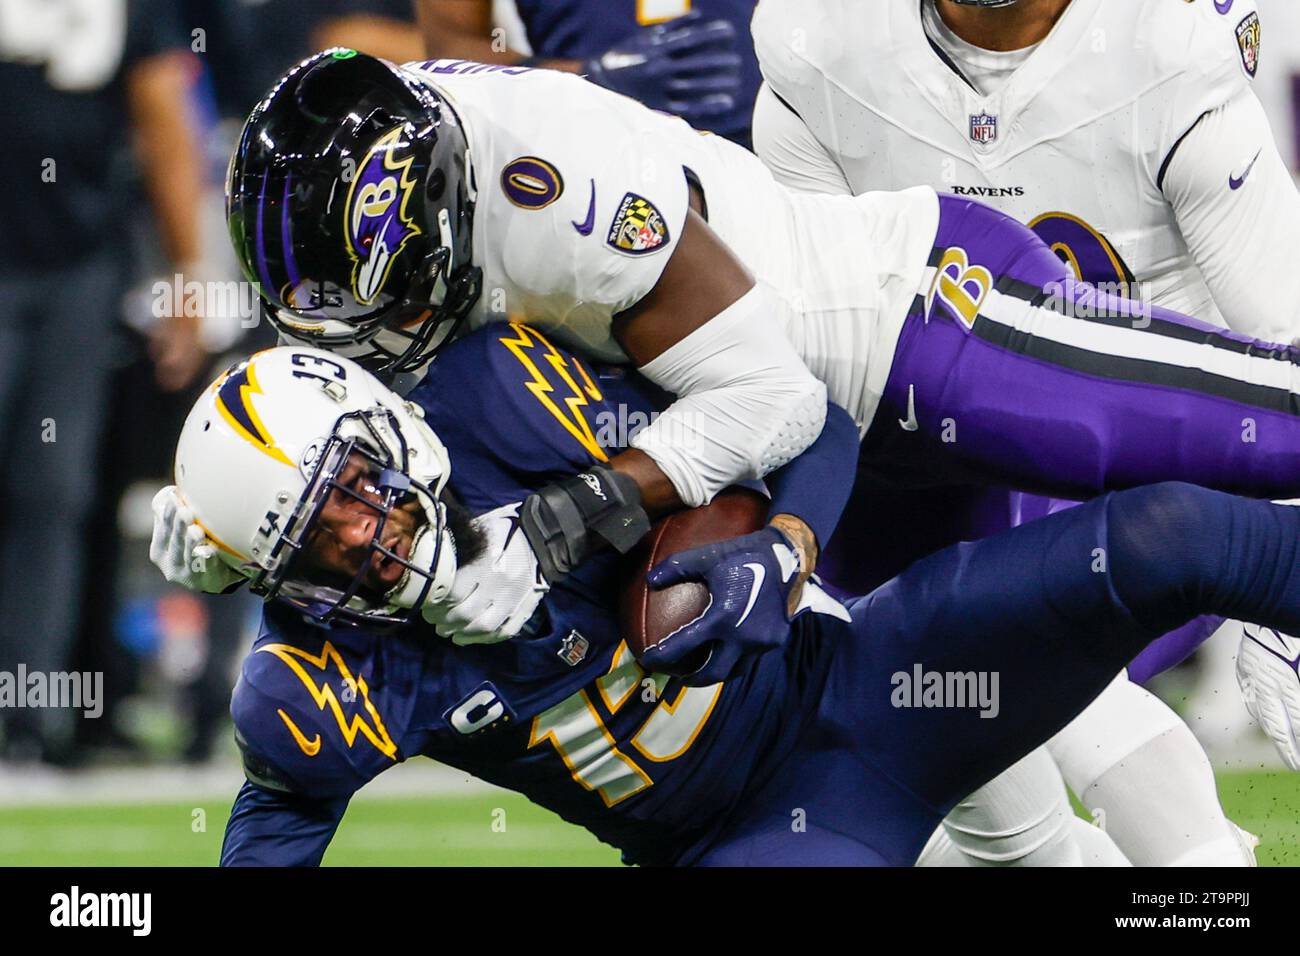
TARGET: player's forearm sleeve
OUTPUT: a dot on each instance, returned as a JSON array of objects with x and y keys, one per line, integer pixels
[
  {"x": 746, "y": 402},
  {"x": 279, "y": 829},
  {"x": 816, "y": 486},
  {"x": 790, "y": 150},
  {"x": 1239, "y": 211}
]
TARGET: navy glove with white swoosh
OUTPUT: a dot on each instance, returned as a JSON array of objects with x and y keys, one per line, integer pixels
[
  {"x": 750, "y": 579},
  {"x": 690, "y": 67}
]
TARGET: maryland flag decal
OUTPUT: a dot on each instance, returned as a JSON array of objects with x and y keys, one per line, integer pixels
[{"x": 638, "y": 227}]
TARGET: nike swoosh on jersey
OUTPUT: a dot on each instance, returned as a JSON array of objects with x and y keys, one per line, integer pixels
[
  {"x": 910, "y": 424},
  {"x": 584, "y": 228},
  {"x": 759, "y": 575},
  {"x": 1235, "y": 183},
  {"x": 310, "y": 747}
]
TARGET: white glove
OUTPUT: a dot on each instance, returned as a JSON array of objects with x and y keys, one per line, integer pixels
[
  {"x": 1270, "y": 686},
  {"x": 182, "y": 551},
  {"x": 494, "y": 596}
]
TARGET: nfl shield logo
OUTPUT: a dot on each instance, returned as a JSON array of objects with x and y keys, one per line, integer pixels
[
  {"x": 983, "y": 128},
  {"x": 574, "y": 648}
]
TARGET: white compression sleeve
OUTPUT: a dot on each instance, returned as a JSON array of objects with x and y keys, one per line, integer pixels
[
  {"x": 1136, "y": 765},
  {"x": 1239, "y": 211},
  {"x": 746, "y": 403},
  {"x": 789, "y": 149}
]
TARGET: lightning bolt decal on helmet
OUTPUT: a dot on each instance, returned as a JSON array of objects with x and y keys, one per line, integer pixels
[{"x": 350, "y": 203}]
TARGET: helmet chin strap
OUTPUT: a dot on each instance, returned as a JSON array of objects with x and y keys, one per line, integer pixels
[{"x": 410, "y": 589}]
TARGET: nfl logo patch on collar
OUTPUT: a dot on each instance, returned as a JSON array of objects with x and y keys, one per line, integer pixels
[
  {"x": 983, "y": 128},
  {"x": 573, "y": 649}
]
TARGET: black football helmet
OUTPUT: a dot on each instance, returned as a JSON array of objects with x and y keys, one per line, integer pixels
[{"x": 350, "y": 201}]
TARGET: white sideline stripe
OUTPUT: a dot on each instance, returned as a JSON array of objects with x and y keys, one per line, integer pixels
[
  {"x": 25, "y": 786},
  {"x": 1042, "y": 323}
]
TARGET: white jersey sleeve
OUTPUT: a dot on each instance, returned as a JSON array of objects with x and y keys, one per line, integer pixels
[
  {"x": 1239, "y": 211},
  {"x": 1207, "y": 60},
  {"x": 610, "y": 242},
  {"x": 746, "y": 402},
  {"x": 580, "y": 202},
  {"x": 794, "y": 155}
]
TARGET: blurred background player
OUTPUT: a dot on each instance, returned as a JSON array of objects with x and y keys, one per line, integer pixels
[
  {"x": 106, "y": 239},
  {"x": 252, "y": 42},
  {"x": 1028, "y": 106},
  {"x": 691, "y": 58},
  {"x": 80, "y": 79}
]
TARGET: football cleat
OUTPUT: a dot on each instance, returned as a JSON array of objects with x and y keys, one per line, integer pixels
[{"x": 1267, "y": 662}]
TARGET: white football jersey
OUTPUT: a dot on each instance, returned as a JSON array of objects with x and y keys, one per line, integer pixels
[
  {"x": 582, "y": 195},
  {"x": 1075, "y": 142}
]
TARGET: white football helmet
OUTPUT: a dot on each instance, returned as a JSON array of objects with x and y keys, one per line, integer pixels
[{"x": 262, "y": 451}]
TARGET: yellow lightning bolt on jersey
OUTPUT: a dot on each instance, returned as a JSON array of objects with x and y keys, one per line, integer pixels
[
  {"x": 528, "y": 345},
  {"x": 324, "y": 697}
]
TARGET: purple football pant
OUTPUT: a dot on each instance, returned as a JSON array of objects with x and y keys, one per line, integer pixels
[
  {"x": 1021, "y": 376},
  {"x": 1024, "y": 377}
]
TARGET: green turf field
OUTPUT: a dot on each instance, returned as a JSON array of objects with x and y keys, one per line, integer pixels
[{"x": 482, "y": 830}]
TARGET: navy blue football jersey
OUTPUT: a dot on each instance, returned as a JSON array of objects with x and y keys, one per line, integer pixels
[{"x": 562, "y": 713}]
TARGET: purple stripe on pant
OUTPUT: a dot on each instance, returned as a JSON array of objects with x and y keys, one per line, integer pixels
[
  {"x": 1018, "y": 410},
  {"x": 1018, "y": 418}
]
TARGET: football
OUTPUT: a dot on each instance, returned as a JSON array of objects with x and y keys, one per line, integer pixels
[{"x": 647, "y": 616}]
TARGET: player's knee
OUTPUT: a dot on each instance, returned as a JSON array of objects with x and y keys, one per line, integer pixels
[
  {"x": 1162, "y": 540},
  {"x": 1151, "y": 522},
  {"x": 1106, "y": 733},
  {"x": 1043, "y": 839},
  {"x": 1019, "y": 818}
]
